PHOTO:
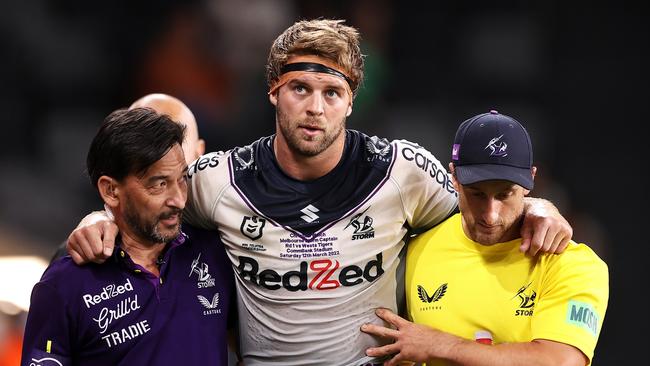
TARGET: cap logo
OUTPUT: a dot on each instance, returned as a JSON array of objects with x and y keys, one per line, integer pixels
[{"x": 497, "y": 149}]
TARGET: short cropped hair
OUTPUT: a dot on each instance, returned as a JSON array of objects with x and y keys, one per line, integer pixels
[
  {"x": 130, "y": 141},
  {"x": 327, "y": 38}
]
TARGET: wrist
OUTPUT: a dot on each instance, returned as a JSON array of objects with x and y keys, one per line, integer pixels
[
  {"x": 454, "y": 346},
  {"x": 94, "y": 217}
]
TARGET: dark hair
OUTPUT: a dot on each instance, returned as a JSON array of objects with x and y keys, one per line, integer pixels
[{"x": 130, "y": 141}]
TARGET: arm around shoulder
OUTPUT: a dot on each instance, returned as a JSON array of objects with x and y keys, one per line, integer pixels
[
  {"x": 208, "y": 177},
  {"x": 424, "y": 184},
  {"x": 93, "y": 239},
  {"x": 544, "y": 229}
]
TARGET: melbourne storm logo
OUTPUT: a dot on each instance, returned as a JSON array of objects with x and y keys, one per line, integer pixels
[
  {"x": 201, "y": 271},
  {"x": 526, "y": 300},
  {"x": 362, "y": 229},
  {"x": 497, "y": 149},
  {"x": 252, "y": 227}
]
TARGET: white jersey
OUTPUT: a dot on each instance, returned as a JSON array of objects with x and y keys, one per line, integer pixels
[{"x": 313, "y": 260}]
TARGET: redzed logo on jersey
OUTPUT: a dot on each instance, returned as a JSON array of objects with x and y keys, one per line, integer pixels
[{"x": 325, "y": 277}]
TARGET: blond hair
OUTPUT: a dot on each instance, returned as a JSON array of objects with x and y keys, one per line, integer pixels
[{"x": 328, "y": 38}]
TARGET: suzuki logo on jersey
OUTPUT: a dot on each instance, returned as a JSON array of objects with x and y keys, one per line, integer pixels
[
  {"x": 252, "y": 227},
  {"x": 526, "y": 301},
  {"x": 322, "y": 274},
  {"x": 309, "y": 213},
  {"x": 201, "y": 270},
  {"x": 437, "y": 295},
  {"x": 497, "y": 150},
  {"x": 362, "y": 230}
]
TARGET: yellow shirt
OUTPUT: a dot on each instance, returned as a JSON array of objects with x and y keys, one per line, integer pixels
[{"x": 461, "y": 287}]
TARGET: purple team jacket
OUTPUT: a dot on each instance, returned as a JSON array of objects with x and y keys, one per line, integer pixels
[{"x": 117, "y": 313}]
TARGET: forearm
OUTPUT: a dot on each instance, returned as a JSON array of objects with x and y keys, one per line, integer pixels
[
  {"x": 421, "y": 343},
  {"x": 535, "y": 353},
  {"x": 93, "y": 239},
  {"x": 536, "y": 204},
  {"x": 543, "y": 228}
]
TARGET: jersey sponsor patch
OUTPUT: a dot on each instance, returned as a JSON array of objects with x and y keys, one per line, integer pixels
[
  {"x": 206, "y": 161},
  {"x": 418, "y": 156},
  {"x": 429, "y": 301},
  {"x": 321, "y": 274},
  {"x": 583, "y": 315},
  {"x": 108, "y": 292},
  {"x": 212, "y": 306},
  {"x": 437, "y": 295}
]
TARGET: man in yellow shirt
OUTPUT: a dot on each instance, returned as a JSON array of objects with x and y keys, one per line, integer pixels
[{"x": 467, "y": 283}]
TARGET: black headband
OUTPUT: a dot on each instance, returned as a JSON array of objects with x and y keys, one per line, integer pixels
[{"x": 314, "y": 67}]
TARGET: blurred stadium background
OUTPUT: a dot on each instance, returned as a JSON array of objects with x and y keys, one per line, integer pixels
[{"x": 575, "y": 73}]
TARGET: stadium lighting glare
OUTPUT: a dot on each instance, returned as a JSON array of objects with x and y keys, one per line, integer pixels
[{"x": 18, "y": 275}]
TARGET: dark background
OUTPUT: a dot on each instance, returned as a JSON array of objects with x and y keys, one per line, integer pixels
[{"x": 574, "y": 73}]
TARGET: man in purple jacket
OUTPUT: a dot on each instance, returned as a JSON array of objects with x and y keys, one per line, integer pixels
[{"x": 163, "y": 297}]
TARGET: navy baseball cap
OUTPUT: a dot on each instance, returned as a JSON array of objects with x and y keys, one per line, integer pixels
[{"x": 493, "y": 146}]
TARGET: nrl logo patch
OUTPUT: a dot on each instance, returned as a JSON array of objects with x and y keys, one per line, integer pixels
[{"x": 252, "y": 227}]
